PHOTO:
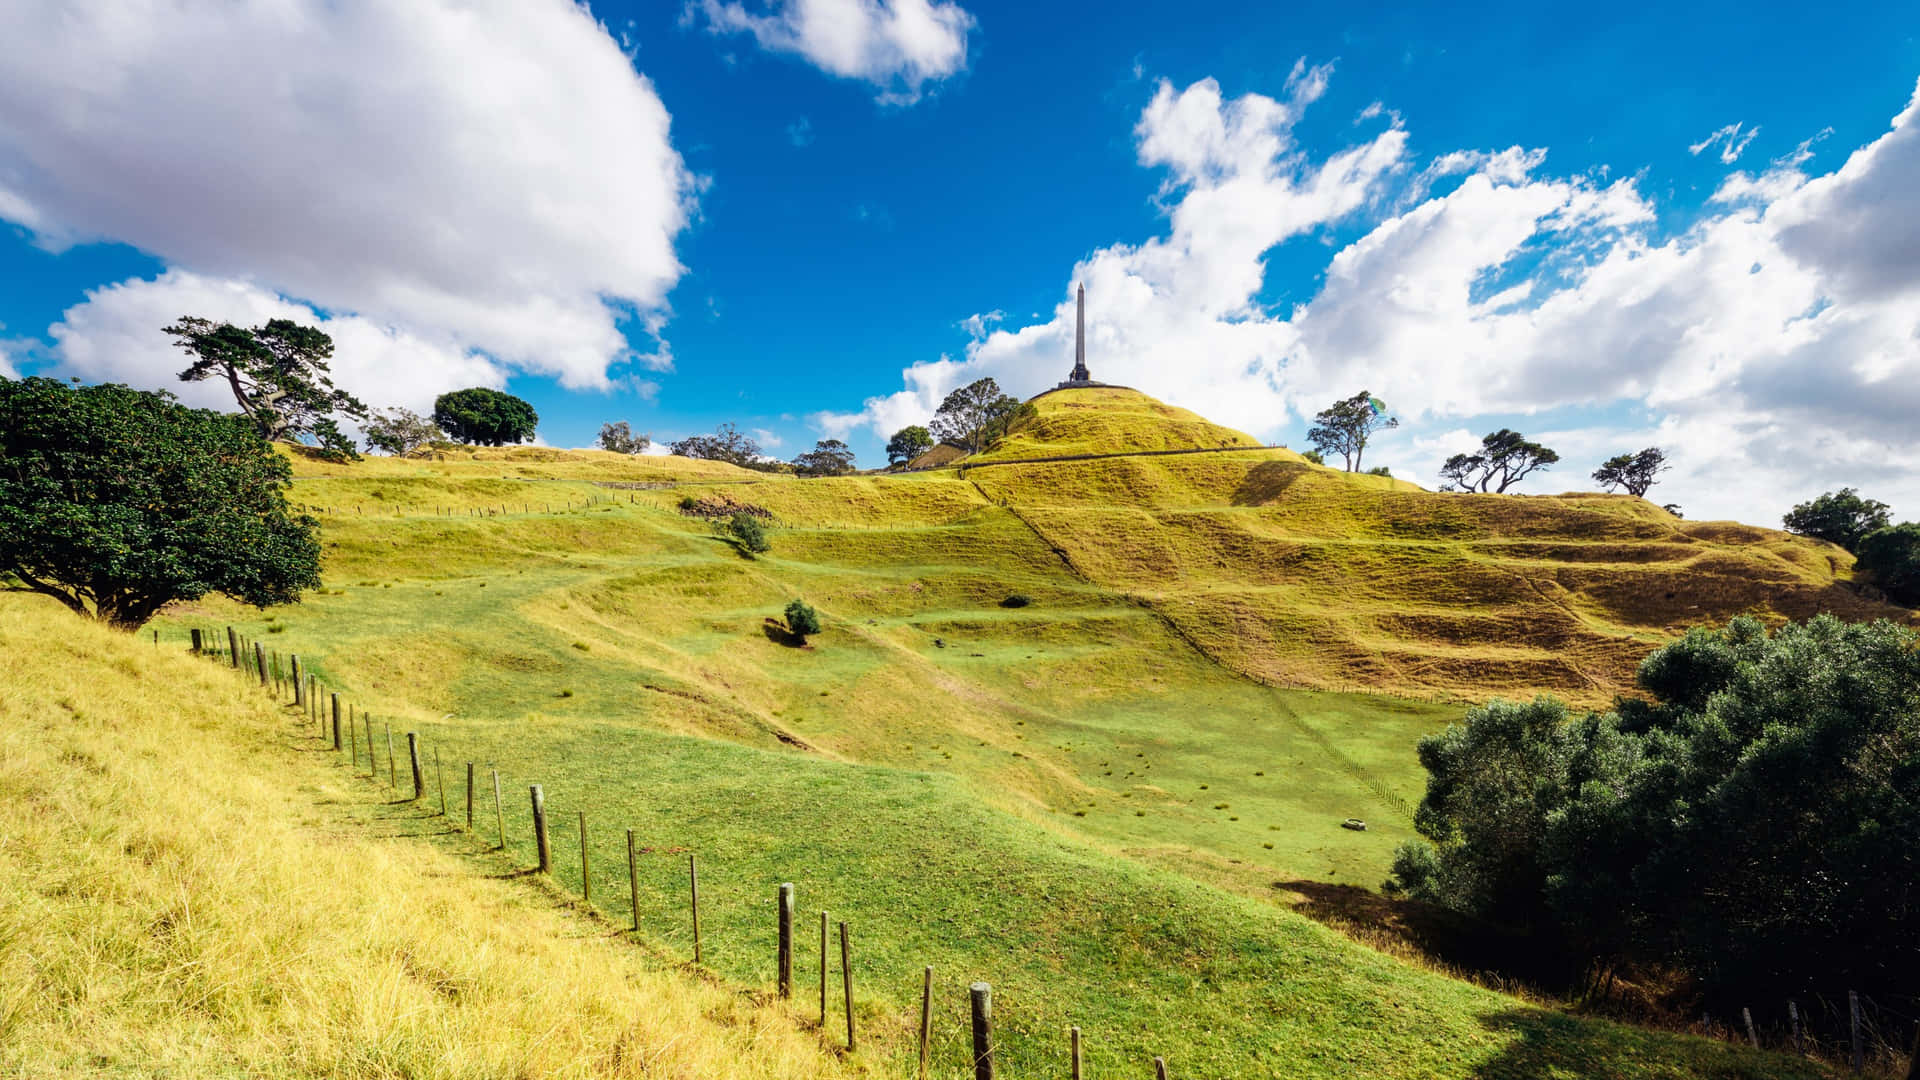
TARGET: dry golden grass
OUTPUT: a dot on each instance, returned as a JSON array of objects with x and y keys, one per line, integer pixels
[{"x": 187, "y": 894}]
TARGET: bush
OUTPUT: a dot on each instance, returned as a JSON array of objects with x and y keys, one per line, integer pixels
[
  {"x": 1016, "y": 600},
  {"x": 688, "y": 502},
  {"x": 747, "y": 530},
  {"x": 1892, "y": 557},
  {"x": 802, "y": 620}
]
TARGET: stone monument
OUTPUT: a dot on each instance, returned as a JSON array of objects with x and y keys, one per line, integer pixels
[{"x": 1081, "y": 376}]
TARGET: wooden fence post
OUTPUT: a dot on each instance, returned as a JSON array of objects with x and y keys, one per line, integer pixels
[
  {"x": 469, "y": 796},
  {"x": 373, "y": 763},
  {"x": 336, "y": 723},
  {"x": 1746, "y": 1015},
  {"x": 982, "y": 995},
  {"x": 499, "y": 815},
  {"x": 693, "y": 887},
  {"x": 299, "y": 685},
  {"x": 846, "y": 981},
  {"x": 926, "y": 1018},
  {"x": 260, "y": 662},
  {"x": 1159, "y": 1068},
  {"x": 393, "y": 773},
  {"x": 353, "y": 747},
  {"x": 1859, "y": 1048},
  {"x": 413, "y": 761},
  {"x": 586, "y": 869},
  {"x": 784, "y": 951},
  {"x": 233, "y": 647},
  {"x": 823, "y": 972},
  {"x": 633, "y": 881},
  {"x": 1793, "y": 1015},
  {"x": 540, "y": 829},
  {"x": 1073, "y": 1035},
  {"x": 197, "y": 647},
  {"x": 440, "y": 780}
]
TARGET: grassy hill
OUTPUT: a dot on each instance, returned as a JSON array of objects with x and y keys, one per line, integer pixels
[
  {"x": 1100, "y": 420},
  {"x": 1102, "y": 802}
]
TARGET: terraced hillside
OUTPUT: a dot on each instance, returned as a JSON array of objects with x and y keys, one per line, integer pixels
[{"x": 1103, "y": 800}]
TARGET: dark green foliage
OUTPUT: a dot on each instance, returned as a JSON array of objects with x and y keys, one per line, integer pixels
[
  {"x": 1757, "y": 824},
  {"x": 1017, "y": 600},
  {"x": 1345, "y": 427},
  {"x": 1379, "y": 470},
  {"x": 619, "y": 438},
  {"x": 278, "y": 375},
  {"x": 115, "y": 502},
  {"x": 484, "y": 417},
  {"x": 399, "y": 431},
  {"x": 908, "y": 443},
  {"x": 1838, "y": 517},
  {"x": 1505, "y": 458},
  {"x": 973, "y": 416},
  {"x": 802, "y": 620},
  {"x": 688, "y": 502},
  {"x": 725, "y": 444},
  {"x": 1891, "y": 557},
  {"x": 1314, "y": 456},
  {"x": 829, "y": 457},
  {"x": 747, "y": 529},
  {"x": 1635, "y": 472}
]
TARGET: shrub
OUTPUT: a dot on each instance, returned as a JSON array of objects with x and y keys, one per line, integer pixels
[
  {"x": 747, "y": 530},
  {"x": 1017, "y": 600},
  {"x": 802, "y": 620},
  {"x": 1892, "y": 557}
]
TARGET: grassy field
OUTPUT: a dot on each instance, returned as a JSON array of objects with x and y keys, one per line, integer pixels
[{"x": 1103, "y": 801}]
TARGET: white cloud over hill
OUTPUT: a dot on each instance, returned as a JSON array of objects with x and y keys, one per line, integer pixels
[
  {"x": 898, "y": 46},
  {"x": 441, "y": 171},
  {"x": 1773, "y": 348}
]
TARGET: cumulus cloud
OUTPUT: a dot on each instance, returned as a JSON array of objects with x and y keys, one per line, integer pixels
[
  {"x": 898, "y": 46},
  {"x": 1773, "y": 348},
  {"x": 453, "y": 170},
  {"x": 1732, "y": 139},
  {"x": 7, "y": 370}
]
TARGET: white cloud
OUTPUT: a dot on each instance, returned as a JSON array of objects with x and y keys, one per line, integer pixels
[
  {"x": 1773, "y": 349},
  {"x": 7, "y": 370},
  {"x": 898, "y": 46},
  {"x": 1732, "y": 139},
  {"x": 766, "y": 438},
  {"x": 980, "y": 324},
  {"x": 453, "y": 169},
  {"x": 115, "y": 336}
]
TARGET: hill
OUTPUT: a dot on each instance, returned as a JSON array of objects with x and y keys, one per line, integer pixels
[
  {"x": 1102, "y": 801},
  {"x": 1104, "y": 420}
]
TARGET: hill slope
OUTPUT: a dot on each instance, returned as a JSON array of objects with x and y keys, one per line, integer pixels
[{"x": 1105, "y": 420}]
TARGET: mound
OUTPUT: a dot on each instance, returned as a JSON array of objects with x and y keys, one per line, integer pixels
[{"x": 1109, "y": 420}]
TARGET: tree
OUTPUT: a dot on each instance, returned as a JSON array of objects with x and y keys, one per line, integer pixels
[
  {"x": 908, "y": 443},
  {"x": 278, "y": 375},
  {"x": 1314, "y": 457},
  {"x": 1891, "y": 556},
  {"x": 484, "y": 417},
  {"x": 1505, "y": 458},
  {"x": 829, "y": 457},
  {"x": 1838, "y": 517},
  {"x": 1756, "y": 823},
  {"x": 802, "y": 620},
  {"x": 1345, "y": 426},
  {"x": 116, "y": 502},
  {"x": 1635, "y": 472},
  {"x": 973, "y": 416},
  {"x": 725, "y": 444},
  {"x": 399, "y": 431},
  {"x": 1379, "y": 470},
  {"x": 619, "y": 438},
  {"x": 746, "y": 529}
]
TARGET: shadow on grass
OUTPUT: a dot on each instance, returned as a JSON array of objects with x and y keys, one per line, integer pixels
[
  {"x": 778, "y": 633},
  {"x": 1549, "y": 1044},
  {"x": 1267, "y": 481},
  {"x": 1435, "y": 933}
]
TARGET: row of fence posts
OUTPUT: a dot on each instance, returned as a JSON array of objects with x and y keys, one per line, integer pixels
[
  {"x": 360, "y": 509},
  {"x": 332, "y": 721}
]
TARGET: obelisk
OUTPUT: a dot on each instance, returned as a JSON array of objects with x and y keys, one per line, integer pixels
[{"x": 1080, "y": 373}]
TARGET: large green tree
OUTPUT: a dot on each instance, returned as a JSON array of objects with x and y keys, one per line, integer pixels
[
  {"x": 1755, "y": 821},
  {"x": 727, "y": 443},
  {"x": 486, "y": 417},
  {"x": 973, "y": 416},
  {"x": 399, "y": 431},
  {"x": 1636, "y": 472},
  {"x": 1891, "y": 557},
  {"x": 908, "y": 443},
  {"x": 1505, "y": 458},
  {"x": 1838, "y": 517},
  {"x": 829, "y": 457},
  {"x": 116, "y": 501},
  {"x": 1346, "y": 426},
  {"x": 619, "y": 438},
  {"x": 278, "y": 376}
]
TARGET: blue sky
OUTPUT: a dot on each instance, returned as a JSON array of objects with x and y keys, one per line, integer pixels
[{"x": 813, "y": 217}]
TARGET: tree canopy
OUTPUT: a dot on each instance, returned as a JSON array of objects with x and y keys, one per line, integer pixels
[
  {"x": 278, "y": 376},
  {"x": 1635, "y": 472},
  {"x": 1345, "y": 427},
  {"x": 1838, "y": 517},
  {"x": 485, "y": 417},
  {"x": 802, "y": 621},
  {"x": 908, "y": 443},
  {"x": 748, "y": 532},
  {"x": 973, "y": 416},
  {"x": 1504, "y": 459},
  {"x": 399, "y": 431},
  {"x": 1756, "y": 823},
  {"x": 619, "y": 438},
  {"x": 727, "y": 444},
  {"x": 1891, "y": 557},
  {"x": 116, "y": 502},
  {"x": 829, "y": 457}
]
